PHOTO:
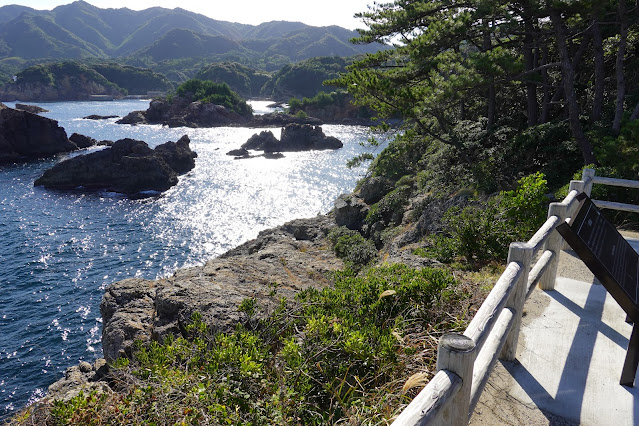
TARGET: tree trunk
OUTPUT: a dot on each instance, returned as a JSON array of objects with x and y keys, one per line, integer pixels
[
  {"x": 530, "y": 63},
  {"x": 545, "y": 106},
  {"x": 635, "y": 113},
  {"x": 600, "y": 73},
  {"x": 492, "y": 93},
  {"x": 621, "y": 52},
  {"x": 568, "y": 76}
]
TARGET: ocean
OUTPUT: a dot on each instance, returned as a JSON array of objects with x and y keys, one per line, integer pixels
[{"x": 60, "y": 250}]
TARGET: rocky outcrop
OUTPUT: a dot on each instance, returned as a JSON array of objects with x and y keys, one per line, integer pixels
[
  {"x": 25, "y": 136},
  {"x": 99, "y": 117},
  {"x": 82, "y": 141},
  {"x": 295, "y": 137},
  {"x": 128, "y": 167},
  {"x": 33, "y": 109},
  {"x": 181, "y": 112},
  {"x": 278, "y": 263}
]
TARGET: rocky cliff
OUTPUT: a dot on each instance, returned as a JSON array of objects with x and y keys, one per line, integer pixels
[{"x": 25, "y": 136}]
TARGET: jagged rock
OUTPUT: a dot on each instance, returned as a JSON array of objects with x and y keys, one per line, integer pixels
[
  {"x": 82, "y": 141},
  {"x": 374, "y": 188},
  {"x": 178, "y": 155},
  {"x": 304, "y": 137},
  {"x": 350, "y": 211},
  {"x": 79, "y": 378},
  {"x": 133, "y": 118},
  {"x": 264, "y": 141},
  {"x": 182, "y": 113},
  {"x": 294, "y": 256},
  {"x": 25, "y": 136},
  {"x": 33, "y": 109},
  {"x": 295, "y": 137},
  {"x": 99, "y": 117},
  {"x": 128, "y": 167}
]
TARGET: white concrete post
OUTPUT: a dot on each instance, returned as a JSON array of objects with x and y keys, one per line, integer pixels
[
  {"x": 588, "y": 175},
  {"x": 555, "y": 244},
  {"x": 521, "y": 253},
  {"x": 456, "y": 353}
]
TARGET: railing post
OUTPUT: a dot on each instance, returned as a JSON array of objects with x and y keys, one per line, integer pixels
[
  {"x": 555, "y": 244},
  {"x": 588, "y": 176},
  {"x": 521, "y": 253},
  {"x": 456, "y": 353}
]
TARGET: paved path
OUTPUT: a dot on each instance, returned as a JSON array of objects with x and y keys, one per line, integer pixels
[{"x": 571, "y": 350}]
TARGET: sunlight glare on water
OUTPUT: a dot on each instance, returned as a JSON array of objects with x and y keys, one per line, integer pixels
[{"x": 60, "y": 250}]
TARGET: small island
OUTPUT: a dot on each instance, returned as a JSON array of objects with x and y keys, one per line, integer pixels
[
  {"x": 295, "y": 137},
  {"x": 198, "y": 103},
  {"x": 129, "y": 167}
]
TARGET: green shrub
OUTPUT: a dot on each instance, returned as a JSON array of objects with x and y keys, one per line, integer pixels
[
  {"x": 482, "y": 232},
  {"x": 390, "y": 208},
  {"x": 217, "y": 93},
  {"x": 355, "y": 250}
]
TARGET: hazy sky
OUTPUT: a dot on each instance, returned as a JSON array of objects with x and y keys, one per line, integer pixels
[{"x": 318, "y": 13}]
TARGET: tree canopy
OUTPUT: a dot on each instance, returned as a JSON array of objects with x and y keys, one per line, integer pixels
[{"x": 500, "y": 63}]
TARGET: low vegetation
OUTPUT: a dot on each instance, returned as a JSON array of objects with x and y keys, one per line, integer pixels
[
  {"x": 340, "y": 354},
  {"x": 216, "y": 93}
]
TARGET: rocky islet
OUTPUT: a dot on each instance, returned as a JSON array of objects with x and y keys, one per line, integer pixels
[{"x": 129, "y": 166}]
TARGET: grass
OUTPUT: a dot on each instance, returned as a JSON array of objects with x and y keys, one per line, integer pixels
[{"x": 355, "y": 353}]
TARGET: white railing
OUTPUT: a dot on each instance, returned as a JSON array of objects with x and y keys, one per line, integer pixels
[{"x": 465, "y": 361}]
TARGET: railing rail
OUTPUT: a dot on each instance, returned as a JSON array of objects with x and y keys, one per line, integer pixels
[{"x": 464, "y": 362}]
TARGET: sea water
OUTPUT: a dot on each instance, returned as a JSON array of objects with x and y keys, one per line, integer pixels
[{"x": 59, "y": 250}]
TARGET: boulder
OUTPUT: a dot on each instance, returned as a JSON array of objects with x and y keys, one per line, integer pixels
[
  {"x": 133, "y": 118},
  {"x": 33, "y": 109},
  {"x": 128, "y": 167},
  {"x": 25, "y": 136},
  {"x": 82, "y": 141},
  {"x": 374, "y": 188},
  {"x": 350, "y": 211}
]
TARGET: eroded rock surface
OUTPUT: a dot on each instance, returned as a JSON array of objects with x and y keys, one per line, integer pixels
[
  {"x": 278, "y": 263},
  {"x": 128, "y": 167},
  {"x": 27, "y": 136},
  {"x": 295, "y": 137}
]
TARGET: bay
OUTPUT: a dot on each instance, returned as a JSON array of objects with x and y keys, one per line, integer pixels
[{"x": 60, "y": 250}]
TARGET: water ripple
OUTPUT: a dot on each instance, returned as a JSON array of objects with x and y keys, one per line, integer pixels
[{"x": 59, "y": 250}]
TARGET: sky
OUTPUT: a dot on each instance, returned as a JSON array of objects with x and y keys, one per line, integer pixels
[{"x": 317, "y": 13}]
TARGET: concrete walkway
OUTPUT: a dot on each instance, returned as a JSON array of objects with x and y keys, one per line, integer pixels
[{"x": 571, "y": 351}]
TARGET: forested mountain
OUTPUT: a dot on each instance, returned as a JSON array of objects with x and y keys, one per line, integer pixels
[{"x": 80, "y": 30}]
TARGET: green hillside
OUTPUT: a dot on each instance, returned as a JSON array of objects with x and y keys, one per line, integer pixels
[
  {"x": 76, "y": 81},
  {"x": 244, "y": 80},
  {"x": 80, "y": 30},
  {"x": 305, "y": 78}
]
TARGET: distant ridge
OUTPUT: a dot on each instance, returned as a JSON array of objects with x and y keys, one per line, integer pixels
[{"x": 80, "y": 30}]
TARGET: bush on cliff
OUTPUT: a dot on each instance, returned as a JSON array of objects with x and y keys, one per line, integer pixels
[
  {"x": 335, "y": 355},
  {"x": 482, "y": 231},
  {"x": 206, "y": 91}
]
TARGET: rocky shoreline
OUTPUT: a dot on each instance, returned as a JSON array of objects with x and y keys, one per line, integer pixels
[{"x": 277, "y": 264}]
